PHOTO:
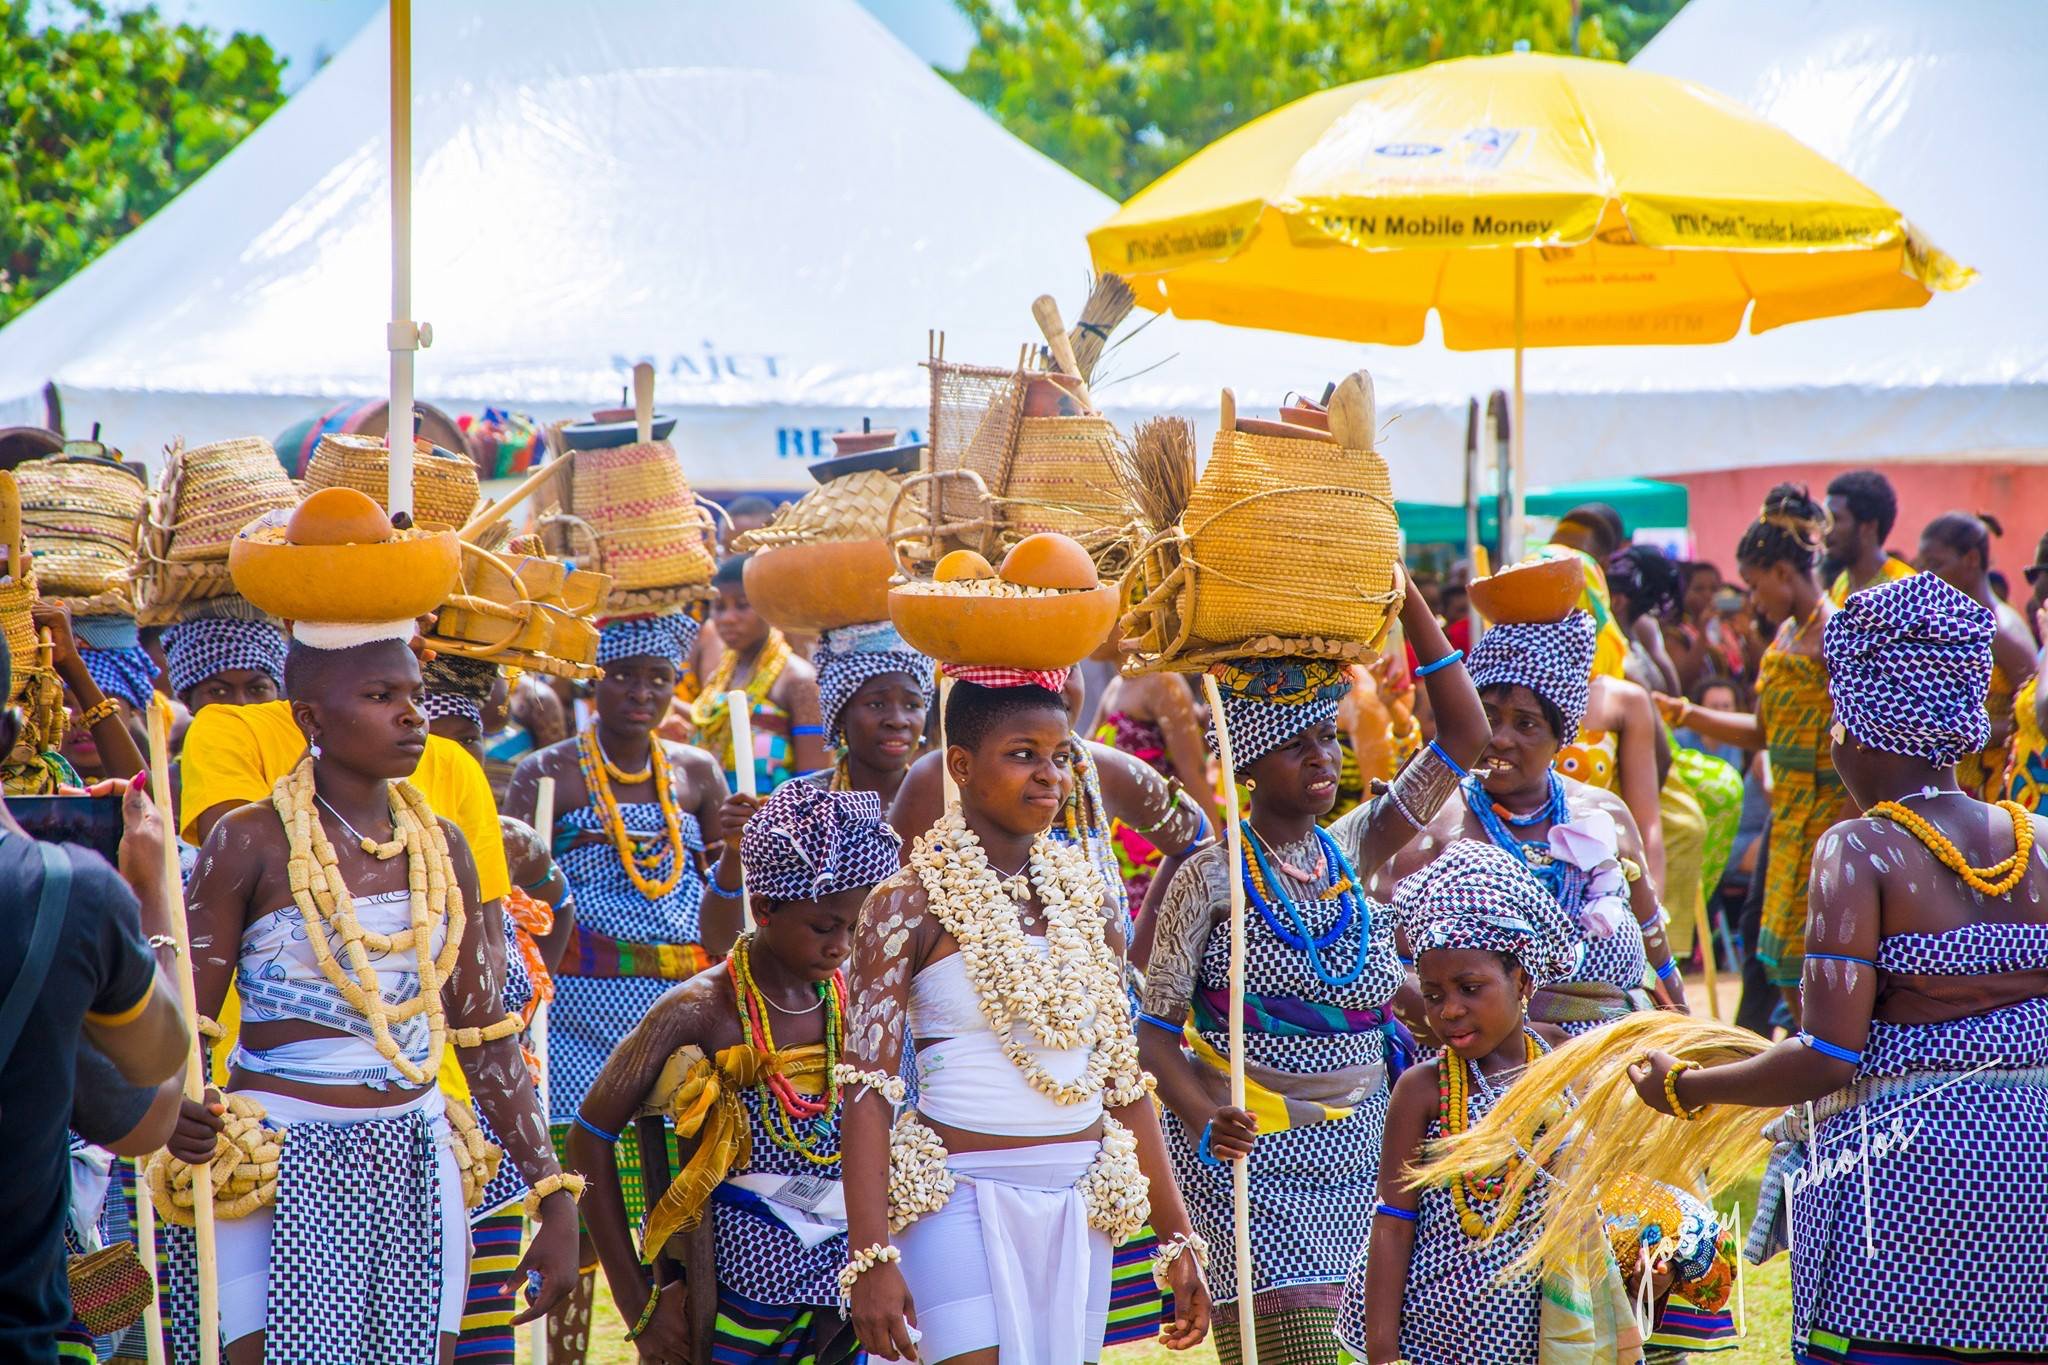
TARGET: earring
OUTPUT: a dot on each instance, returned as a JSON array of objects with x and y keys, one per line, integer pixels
[
  {"x": 314, "y": 748},
  {"x": 1251, "y": 784}
]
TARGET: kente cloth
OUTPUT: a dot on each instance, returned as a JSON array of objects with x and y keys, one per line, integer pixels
[
  {"x": 1313, "y": 1183},
  {"x": 626, "y": 1154},
  {"x": 487, "y": 1337},
  {"x": 1909, "y": 665},
  {"x": 1298, "y": 1335},
  {"x": 606, "y": 983},
  {"x": 2026, "y": 772},
  {"x": 1267, "y": 702},
  {"x": 196, "y": 650},
  {"x": 804, "y": 843},
  {"x": 1892, "y": 571},
  {"x": 1552, "y": 659},
  {"x": 1918, "y": 1183},
  {"x": 846, "y": 658},
  {"x": 1794, "y": 711},
  {"x": 1137, "y": 1309},
  {"x": 1138, "y": 858},
  {"x": 749, "y": 1332},
  {"x": 355, "y": 1248},
  {"x": 1053, "y": 680},
  {"x": 1686, "y": 1239},
  {"x": 667, "y": 637},
  {"x": 1456, "y": 1308},
  {"x": 1474, "y": 895},
  {"x": 707, "y": 1099},
  {"x": 129, "y": 674},
  {"x": 1982, "y": 773}
]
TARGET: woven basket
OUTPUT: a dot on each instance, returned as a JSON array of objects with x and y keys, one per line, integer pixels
[
  {"x": 1287, "y": 548},
  {"x": 204, "y": 496},
  {"x": 1067, "y": 476},
  {"x": 110, "y": 1288},
  {"x": 853, "y": 507},
  {"x": 444, "y": 488},
  {"x": 976, "y": 411},
  {"x": 651, "y": 532},
  {"x": 80, "y": 517}
]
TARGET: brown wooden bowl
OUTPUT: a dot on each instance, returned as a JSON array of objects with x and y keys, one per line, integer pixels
[
  {"x": 821, "y": 586},
  {"x": 1537, "y": 590}
]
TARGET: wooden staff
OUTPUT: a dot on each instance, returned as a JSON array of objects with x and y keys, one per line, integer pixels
[
  {"x": 740, "y": 719},
  {"x": 145, "y": 1247},
  {"x": 643, "y": 402},
  {"x": 949, "y": 790},
  {"x": 195, "y": 1062},
  {"x": 544, "y": 825},
  {"x": 1240, "y": 1171}
]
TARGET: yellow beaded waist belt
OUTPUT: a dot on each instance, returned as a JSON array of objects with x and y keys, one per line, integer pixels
[{"x": 593, "y": 954}]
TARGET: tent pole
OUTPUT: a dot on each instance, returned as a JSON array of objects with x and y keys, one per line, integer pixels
[
  {"x": 1515, "y": 529},
  {"x": 402, "y": 337}
]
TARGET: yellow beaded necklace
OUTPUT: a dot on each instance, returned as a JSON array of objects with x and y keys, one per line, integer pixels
[
  {"x": 1995, "y": 880},
  {"x": 635, "y": 854},
  {"x": 1454, "y": 1117}
]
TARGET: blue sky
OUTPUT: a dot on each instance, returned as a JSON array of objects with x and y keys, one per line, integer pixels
[{"x": 304, "y": 30}]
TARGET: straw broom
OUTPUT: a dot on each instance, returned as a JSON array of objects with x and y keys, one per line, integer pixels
[
  {"x": 1158, "y": 470},
  {"x": 1240, "y": 1171},
  {"x": 1610, "y": 1135},
  {"x": 195, "y": 1062},
  {"x": 1109, "y": 303}
]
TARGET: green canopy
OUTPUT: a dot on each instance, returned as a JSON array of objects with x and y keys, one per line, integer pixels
[{"x": 1641, "y": 502}]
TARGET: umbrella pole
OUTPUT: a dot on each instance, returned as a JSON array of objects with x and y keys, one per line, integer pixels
[
  {"x": 402, "y": 337},
  {"x": 1512, "y": 547},
  {"x": 1240, "y": 1171}
]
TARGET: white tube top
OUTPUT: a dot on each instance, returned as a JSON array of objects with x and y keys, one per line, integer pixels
[{"x": 963, "y": 1078}]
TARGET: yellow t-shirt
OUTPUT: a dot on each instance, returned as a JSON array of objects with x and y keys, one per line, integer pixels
[
  {"x": 1894, "y": 569},
  {"x": 237, "y": 753}
]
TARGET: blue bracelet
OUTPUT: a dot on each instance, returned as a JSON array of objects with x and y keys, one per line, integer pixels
[
  {"x": 1839, "y": 957},
  {"x": 587, "y": 1126},
  {"x": 802, "y": 731},
  {"x": 1668, "y": 971},
  {"x": 1405, "y": 1215},
  {"x": 1202, "y": 1152},
  {"x": 1446, "y": 759},
  {"x": 1156, "y": 1022},
  {"x": 729, "y": 892},
  {"x": 1455, "y": 656},
  {"x": 1827, "y": 1049}
]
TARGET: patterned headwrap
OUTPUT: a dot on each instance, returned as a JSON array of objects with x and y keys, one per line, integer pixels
[
  {"x": 1553, "y": 659},
  {"x": 443, "y": 705},
  {"x": 1909, "y": 664},
  {"x": 805, "y": 842},
  {"x": 1474, "y": 895},
  {"x": 982, "y": 675},
  {"x": 1267, "y": 702},
  {"x": 196, "y": 650},
  {"x": 668, "y": 637},
  {"x": 848, "y": 657},
  {"x": 113, "y": 654}
]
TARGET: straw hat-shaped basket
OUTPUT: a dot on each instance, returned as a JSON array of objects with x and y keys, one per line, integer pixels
[
  {"x": 444, "y": 486},
  {"x": 1288, "y": 547},
  {"x": 650, "y": 532},
  {"x": 81, "y": 516},
  {"x": 825, "y": 562},
  {"x": 204, "y": 496}
]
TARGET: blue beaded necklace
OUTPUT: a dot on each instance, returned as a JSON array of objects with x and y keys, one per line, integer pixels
[
  {"x": 1295, "y": 933},
  {"x": 1534, "y": 853}
]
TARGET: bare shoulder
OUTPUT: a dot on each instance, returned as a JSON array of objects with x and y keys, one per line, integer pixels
[
  {"x": 690, "y": 1011},
  {"x": 244, "y": 835},
  {"x": 797, "y": 670}
]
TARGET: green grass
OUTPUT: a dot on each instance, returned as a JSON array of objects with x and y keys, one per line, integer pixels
[{"x": 1767, "y": 1291}]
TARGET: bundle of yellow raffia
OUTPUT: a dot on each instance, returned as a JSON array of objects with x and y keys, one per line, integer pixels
[{"x": 1609, "y": 1138}]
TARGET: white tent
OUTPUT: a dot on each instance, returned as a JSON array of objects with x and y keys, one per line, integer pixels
[
  {"x": 772, "y": 201},
  {"x": 1929, "y": 105}
]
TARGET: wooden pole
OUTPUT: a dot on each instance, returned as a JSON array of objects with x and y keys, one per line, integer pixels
[
  {"x": 145, "y": 1247},
  {"x": 1703, "y": 931},
  {"x": 643, "y": 402},
  {"x": 1240, "y": 1171},
  {"x": 544, "y": 825},
  {"x": 402, "y": 338},
  {"x": 195, "y": 1062},
  {"x": 740, "y": 717}
]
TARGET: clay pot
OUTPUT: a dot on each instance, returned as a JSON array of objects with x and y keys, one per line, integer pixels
[
  {"x": 822, "y": 586},
  {"x": 1537, "y": 590},
  {"x": 861, "y": 442},
  {"x": 1052, "y": 395}
]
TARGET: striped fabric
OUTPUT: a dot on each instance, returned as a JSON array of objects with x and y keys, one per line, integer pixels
[
  {"x": 1828, "y": 1349},
  {"x": 487, "y": 1336},
  {"x": 1285, "y": 1015},
  {"x": 749, "y": 1333},
  {"x": 1684, "y": 1329},
  {"x": 1137, "y": 1309},
  {"x": 593, "y": 954}
]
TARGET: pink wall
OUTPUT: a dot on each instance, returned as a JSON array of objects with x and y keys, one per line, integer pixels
[{"x": 1726, "y": 502}]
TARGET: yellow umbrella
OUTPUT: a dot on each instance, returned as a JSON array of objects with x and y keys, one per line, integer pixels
[{"x": 1531, "y": 201}]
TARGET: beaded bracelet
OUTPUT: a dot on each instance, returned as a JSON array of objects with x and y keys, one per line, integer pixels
[
  {"x": 477, "y": 1037},
  {"x": 1405, "y": 1215},
  {"x": 97, "y": 712},
  {"x": 647, "y": 1313},
  {"x": 862, "y": 1261},
  {"x": 889, "y": 1087},
  {"x": 1668, "y": 971},
  {"x": 1179, "y": 795},
  {"x": 1169, "y": 1251},
  {"x": 561, "y": 1182},
  {"x": 1671, "y": 1091}
]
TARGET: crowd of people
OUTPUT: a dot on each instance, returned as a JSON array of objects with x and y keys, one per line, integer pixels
[{"x": 921, "y": 1050}]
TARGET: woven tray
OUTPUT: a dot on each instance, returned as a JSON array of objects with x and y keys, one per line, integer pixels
[{"x": 853, "y": 507}]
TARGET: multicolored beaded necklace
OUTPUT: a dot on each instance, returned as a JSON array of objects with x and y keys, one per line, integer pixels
[
  {"x": 1264, "y": 890},
  {"x": 1454, "y": 1116},
  {"x": 795, "y": 1122}
]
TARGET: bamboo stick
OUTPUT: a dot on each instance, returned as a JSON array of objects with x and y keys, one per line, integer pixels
[
  {"x": 195, "y": 1063},
  {"x": 492, "y": 513},
  {"x": 1240, "y": 1171},
  {"x": 643, "y": 402},
  {"x": 740, "y": 718}
]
